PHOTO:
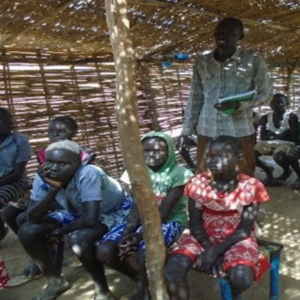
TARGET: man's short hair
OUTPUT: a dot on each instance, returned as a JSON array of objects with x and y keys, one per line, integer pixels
[{"x": 233, "y": 21}]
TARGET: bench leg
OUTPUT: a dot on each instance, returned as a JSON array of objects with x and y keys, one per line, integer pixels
[
  {"x": 225, "y": 288},
  {"x": 274, "y": 276}
]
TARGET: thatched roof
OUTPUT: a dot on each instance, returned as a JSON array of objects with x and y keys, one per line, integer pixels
[{"x": 158, "y": 27}]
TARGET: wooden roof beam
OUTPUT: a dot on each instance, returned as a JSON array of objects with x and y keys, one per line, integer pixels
[{"x": 11, "y": 38}]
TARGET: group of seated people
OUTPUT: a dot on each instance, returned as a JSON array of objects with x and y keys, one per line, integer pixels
[
  {"x": 279, "y": 138},
  {"x": 73, "y": 199}
]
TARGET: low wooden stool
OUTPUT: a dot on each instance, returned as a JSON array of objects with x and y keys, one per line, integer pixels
[{"x": 274, "y": 251}]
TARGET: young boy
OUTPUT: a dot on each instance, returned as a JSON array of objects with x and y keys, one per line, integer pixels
[
  {"x": 89, "y": 204},
  {"x": 279, "y": 133},
  {"x": 14, "y": 154}
]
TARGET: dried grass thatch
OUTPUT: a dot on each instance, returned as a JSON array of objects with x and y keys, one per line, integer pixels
[
  {"x": 157, "y": 27},
  {"x": 55, "y": 58}
]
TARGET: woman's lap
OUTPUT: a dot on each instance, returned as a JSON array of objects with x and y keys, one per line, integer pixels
[
  {"x": 245, "y": 252},
  {"x": 171, "y": 231}
]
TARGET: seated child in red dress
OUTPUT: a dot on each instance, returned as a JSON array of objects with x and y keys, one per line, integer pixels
[{"x": 223, "y": 207}]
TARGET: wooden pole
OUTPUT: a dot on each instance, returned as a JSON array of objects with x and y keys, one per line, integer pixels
[
  {"x": 291, "y": 66},
  {"x": 126, "y": 109}
]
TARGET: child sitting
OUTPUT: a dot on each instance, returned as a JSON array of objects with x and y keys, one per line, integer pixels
[
  {"x": 14, "y": 155},
  {"x": 223, "y": 207},
  {"x": 279, "y": 134},
  {"x": 60, "y": 128},
  {"x": 64, "y": 128},
  {"x": 168, "y": 181},
  {"x": 90, "y": 204}
]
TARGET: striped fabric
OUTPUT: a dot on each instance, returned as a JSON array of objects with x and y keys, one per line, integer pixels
[{"x": 13, "y": 192}]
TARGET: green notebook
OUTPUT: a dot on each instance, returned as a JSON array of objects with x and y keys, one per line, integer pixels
[{"x": 239, "y": 98}]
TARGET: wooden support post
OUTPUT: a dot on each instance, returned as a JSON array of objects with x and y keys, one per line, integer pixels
[
  {"x": 126, "y": 108},
  {"x": 290, "y": 69}
]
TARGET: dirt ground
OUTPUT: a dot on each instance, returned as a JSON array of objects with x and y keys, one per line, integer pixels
[{"x": 281, "y": 225}]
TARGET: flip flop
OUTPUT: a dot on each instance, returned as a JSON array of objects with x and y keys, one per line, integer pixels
[{"x": 21, "y": 279}]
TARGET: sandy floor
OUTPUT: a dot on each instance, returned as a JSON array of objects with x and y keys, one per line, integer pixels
[{"x": 281, "y": 225}]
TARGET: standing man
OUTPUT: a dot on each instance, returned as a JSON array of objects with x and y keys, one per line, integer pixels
[{"x": 227, "y": 71}]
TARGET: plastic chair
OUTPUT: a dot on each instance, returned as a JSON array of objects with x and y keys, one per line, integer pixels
[{"x": 274, "y": 251}]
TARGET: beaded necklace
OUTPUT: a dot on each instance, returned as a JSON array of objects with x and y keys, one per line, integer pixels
[{"x": 224, "y": 187}]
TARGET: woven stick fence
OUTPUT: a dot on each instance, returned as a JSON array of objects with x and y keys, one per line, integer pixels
[{"x": 36, "y": 86}]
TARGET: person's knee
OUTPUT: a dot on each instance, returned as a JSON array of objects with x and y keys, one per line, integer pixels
[
  {"x": 106, "y": 252},
  {"x": 29, "y": 233},
  {"x": 293, "y": 154},
  {"x": 280, "y": 157},
  {"x": 80, "y": 241},
  {"x": 177, "y": 268},
  {"x": 241, "y": 277},
  {"x": 21, "y": 219},
  {"x": 8, "y": 214}
]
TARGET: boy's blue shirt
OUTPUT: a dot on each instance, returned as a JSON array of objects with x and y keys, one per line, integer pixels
[
  {"x": 89, "y": 183},
  {"x": 13, "y": 150}
]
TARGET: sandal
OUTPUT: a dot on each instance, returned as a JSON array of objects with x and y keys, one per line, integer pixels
[{"x": 20, "y": 280}]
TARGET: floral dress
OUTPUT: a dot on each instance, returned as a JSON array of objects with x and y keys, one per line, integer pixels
[{"x": 221, "y": 218}]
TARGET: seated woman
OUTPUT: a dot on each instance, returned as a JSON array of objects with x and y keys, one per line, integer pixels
[
  {"x": 90, "y": 204},
  {"x": 14, "y": 155},
  {"x": 168, "y": 181},
  {"x": 223, "y": 206}
]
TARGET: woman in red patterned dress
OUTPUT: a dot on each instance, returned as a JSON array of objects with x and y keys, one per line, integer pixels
[{"x": 223, "y": 207}]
